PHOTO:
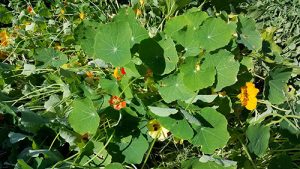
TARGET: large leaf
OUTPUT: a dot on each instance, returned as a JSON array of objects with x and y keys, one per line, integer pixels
[
  {"x": 111, "y": 43},
  {"x": 172, "y": 88},
  {"x": 247, "y": 33},
  {"x": 212, "y": 134},
  {"x": 277, "y": 82},
  {"x": 177, "y": 125},
  {"x": 197, "y": 76},
  {"x": 170, "y": 54},
  {"x": 214, "y": 33},
  {"x": 227, "y": 67},
  {"x": 134, "y": 152},
  {"x": 139, "y": 33},
  {"x": 258, "y": 136},
  {"x": 84, "y": 118},
  {"x": 50, "y": 57},
  {"x": 190, "y": 19}
]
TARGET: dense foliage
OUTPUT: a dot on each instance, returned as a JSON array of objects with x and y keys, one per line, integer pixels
[{"x": 145, "y": 84}]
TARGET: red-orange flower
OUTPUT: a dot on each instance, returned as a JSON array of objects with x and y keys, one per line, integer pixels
[
  {"x": 29, "y": 9},
  {"x": 117, "y": 103},
  {"x": 119, "y": 74}
]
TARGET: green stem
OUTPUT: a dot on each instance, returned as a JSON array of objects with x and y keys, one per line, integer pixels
[
  {"x": 100, "y": 151},
  {"x": 148, "y": 153},
  {"x": 54, "y": 141},
  {"x": 247, "y": 153},
  {"x": 69, "y": 158}
]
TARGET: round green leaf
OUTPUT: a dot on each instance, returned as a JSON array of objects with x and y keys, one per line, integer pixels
[
  {"x": 197, "y": 76},
  {"x": 139, "y": 33},
  {"x": 84, "y": 118},
  {"x": 173, "y": 84},
  {"x": 111, "y": 43},
  {"x": 215, "y": 33},
  {"x": 212, "y": 134},
  {"x": 50, "y": 57}
]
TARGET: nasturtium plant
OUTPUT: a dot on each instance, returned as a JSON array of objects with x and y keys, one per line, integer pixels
[
  {"x": 146, "y": 84},
  {"x": 212, "y": 133},
  {"x": 84, "y": 118}
]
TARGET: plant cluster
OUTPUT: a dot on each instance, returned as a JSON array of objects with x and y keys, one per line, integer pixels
[{"x": 143, "y": 84}]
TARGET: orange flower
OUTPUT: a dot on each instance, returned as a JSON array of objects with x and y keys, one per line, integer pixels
[
  {"x": 248, "y": 96},
  {"x": 3, "y": 38},
  {"x": 117, "y": 103},
  {"x": 119, "y": 74},
  {"x": 29, "y": 9},
  {"x": 89, "y": 74}
]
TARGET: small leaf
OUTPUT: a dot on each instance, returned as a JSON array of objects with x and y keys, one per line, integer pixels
[
  {"x": 162, "y": 112},
  {"x": 277, "y": 82},
  {"x": 258, "y": 136},
  {"x": 203, "y": 98},
  {"x": 16, "y": 137},
  {"x": 84, "y": 118},
  {"x": 28, "y": 69},
  {"x": 50, "y": 57}
]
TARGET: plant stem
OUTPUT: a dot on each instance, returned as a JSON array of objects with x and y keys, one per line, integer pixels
[
  {"x": 247, "y": 153},
  {"x": 148, "y": 153}
]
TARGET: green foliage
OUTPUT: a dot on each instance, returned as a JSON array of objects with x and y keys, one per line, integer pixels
[
  {"x": 84, "y": 118},
  {"x": 97, "y": 84},
  {"x": 258, "y": 136}
]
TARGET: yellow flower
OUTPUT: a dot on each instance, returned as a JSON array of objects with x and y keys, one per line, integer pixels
[
  {"x": 142, "y": 2},
  {"x": 157, "y": 131},
  {"x": 4, "y": 38},
  {"x": 248, "y": 96},
  {"x": 81, "y": 15}
]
